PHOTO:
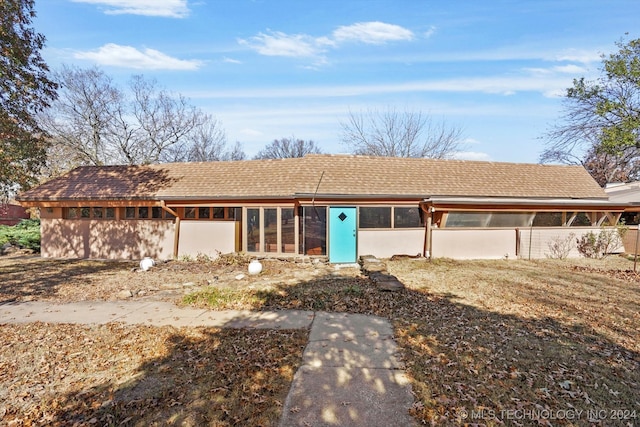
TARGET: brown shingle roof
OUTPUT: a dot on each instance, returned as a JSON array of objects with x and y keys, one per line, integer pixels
[{"x": 344, "y": 175}]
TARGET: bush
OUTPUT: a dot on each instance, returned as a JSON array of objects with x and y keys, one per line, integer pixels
[
  {"x": 559, "y": 248},
  {"x": 25, "y": 234},
  {"x": 592, "y": 245}
]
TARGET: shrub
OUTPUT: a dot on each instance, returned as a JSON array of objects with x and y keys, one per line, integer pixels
[
  {"x": 592, "y": 245},
  {"x": 559, "y": 248},
  {"x": 25, "y": 234}
]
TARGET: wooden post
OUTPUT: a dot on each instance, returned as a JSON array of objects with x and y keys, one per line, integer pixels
[{"x": 635, "y": 256}]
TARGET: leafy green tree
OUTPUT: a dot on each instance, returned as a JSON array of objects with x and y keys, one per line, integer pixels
[
  {"x": 602, "y": 116},
  {"x": 25, "y": 90}
]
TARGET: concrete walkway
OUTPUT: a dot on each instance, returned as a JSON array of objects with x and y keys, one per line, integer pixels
[{"x": 350, "y": 376}]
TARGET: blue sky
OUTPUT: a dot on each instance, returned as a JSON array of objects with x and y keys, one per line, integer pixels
[{"x": 268, "y": 69}]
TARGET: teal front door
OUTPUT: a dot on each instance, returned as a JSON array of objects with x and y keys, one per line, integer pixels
[{"x": 342, "y": 235}]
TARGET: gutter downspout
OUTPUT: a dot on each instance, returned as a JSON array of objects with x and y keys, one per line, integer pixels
[
  {"x": 426, "y": 248},
  {"x": 176, "y": 232}
]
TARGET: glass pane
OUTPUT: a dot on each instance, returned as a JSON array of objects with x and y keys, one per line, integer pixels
[
  {"x": 313, "y": 230},
  {"x": 143, "y": 212},
  {"x": 190, "y": 213},
  {"x": 97, "y": 213},
  {"x": 407, "y": 218},
  {"x": 237, "y": 213},
  {"x": 85, "y": 212},
  {"x": 288, "y": 230},
  {"x": 271, "y": 230},
  {"x": 548, "y": 219},
  {"x": 218, "y": 213},
  {"x": 156, "y": 212},
  {"x": 468, "y": 219},
  {"x": 73, "y": 213},
  {"x": 130, "y": 213},
  {"x": 375, "y": 218},
  {"x": 204, "y": 213},
  {"x": 168, "y": 215},
  {"x": 510, "y": 219},
  {"x": 253, "y": 230},
  {"x": 110, "y": 213}
]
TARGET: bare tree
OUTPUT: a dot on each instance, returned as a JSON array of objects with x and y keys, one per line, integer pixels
[
  {"x": 94, "y": 122},
  {"x": 284, "y": 148},
  {"x": 400, "y": 134}
]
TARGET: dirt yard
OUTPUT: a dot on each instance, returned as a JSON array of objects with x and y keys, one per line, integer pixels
[{"x": 485, "y": 343}]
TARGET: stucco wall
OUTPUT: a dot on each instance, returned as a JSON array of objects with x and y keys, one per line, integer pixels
[
  {"x": 124, "y": 239},
  {"x": 386, "y": 243},
  {"x": 209, "y": 238},
  {"x": 474, "y": 243},
  {"x": 534, "y": 243}
]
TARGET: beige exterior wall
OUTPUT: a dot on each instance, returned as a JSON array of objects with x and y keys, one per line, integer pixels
[
  {"x": 133, "y": 239},
  {"x": 474, "y": 243},
  {"x": 386, "y": 243},
  {"x": 209, "y": 238},
  {"x": 534, "y": 243}
]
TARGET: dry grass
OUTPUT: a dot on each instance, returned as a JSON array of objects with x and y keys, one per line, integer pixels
[
  {"x": 116, "y": 375},
  {"x": 481, "y": 339},
  {"x": 485, "y": 339}
]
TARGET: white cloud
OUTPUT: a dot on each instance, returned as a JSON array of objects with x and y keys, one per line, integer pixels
[
  {"x": 277, "y": 43},
  {"x": 430, "y": 32},
  {"x": 570, "y": 69},
  {"x": 471, "y": 155},
  {"x": 129, "y": 57},
  {"x": 163, "y": 8},
  {"x": 372, "y": 33},
  {"x": 575, "y": 55},
  {"x": 231, "y": 61},
  {"x": 281, "y": 44}
]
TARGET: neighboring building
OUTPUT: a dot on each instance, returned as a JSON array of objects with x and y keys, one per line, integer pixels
[
  {"x": 12, "y": 213},
  {"x": 340, "y": 206},
  {"x": 628, "y": 193}
]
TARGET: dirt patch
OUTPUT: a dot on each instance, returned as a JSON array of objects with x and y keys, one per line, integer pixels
[{"x": 27, "y": 278}]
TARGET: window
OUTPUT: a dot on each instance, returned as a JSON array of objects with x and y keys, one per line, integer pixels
[
  {"x": 156, "y": 212},
  {"x": 313, "y": 230},
  {"x": 407, "y": 218},
  {"x": 143, "y": 212},
  {"x": 271, "y": 229},
  {"x": 287, "y": 230},
  {"x": 203, "y": 213},
  {"x": 253, "y": 230},
  {"x": 548, "y": 219},
  {"x": 130, "y": 213},
  {"x": 73, "y": 213},
  {"x": 85, "y": 212},
  {"x": 190, "y": 213},
  {"x": 97, "y": 213},
  {"x": 218, "y": 213},
  {"x": 378, "y": 217},
  {"x": 489, "y": 219}
]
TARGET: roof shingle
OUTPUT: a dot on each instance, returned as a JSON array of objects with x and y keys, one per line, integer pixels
[{"x": 344, "y": 175}]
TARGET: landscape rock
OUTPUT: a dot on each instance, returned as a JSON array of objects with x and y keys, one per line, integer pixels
[
  {"x": 240, "y": 276},
  {"x": 124, "y": 294},
  {"x": 188, "y": 285}
]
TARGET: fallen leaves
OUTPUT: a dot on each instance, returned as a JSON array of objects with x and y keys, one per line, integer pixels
[{"x": 140, "y": 375}]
